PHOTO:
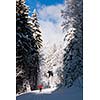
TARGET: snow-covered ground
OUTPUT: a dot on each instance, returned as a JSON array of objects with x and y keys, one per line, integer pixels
[{"x": 73, "y": 93}]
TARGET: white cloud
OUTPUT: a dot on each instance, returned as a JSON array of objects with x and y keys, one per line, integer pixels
[{"x": 50, "y": 21}]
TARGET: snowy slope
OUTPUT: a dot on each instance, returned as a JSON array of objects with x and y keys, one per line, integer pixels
[{"x": 73, "y": 93}]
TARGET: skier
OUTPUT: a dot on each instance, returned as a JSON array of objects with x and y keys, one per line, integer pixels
[
  {"x": 40, "y": 87},
  {"x": 50, "y": 73},
  {"x": 50, "y": 78}
]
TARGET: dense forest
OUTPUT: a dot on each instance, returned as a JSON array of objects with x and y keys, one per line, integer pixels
[{"x": 34, "y": 60}]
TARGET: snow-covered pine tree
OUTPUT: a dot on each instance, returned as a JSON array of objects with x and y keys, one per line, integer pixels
[
  {"x": 27, "y": 54},
  {"x": 37, "y": 32},
  {"x": 73, "y": 26},
  {"x": 20, "y": 23}
]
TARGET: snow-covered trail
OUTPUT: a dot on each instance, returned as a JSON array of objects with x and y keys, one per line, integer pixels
[
  {"x": 72, "y": 93},
  {"x": 44, "y": 91}
]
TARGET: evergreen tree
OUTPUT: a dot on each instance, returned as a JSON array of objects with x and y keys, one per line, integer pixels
[
  {"x": 27, "y": 53},
  {"x": 33, "y": 21},
  {"x": 37, "y": 31},
  {"x": 73, "y": 26}
]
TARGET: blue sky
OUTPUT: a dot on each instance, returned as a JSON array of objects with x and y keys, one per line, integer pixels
[
  {"x": 33, "y": 3},
  {"x": 49, "y": 17}
]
